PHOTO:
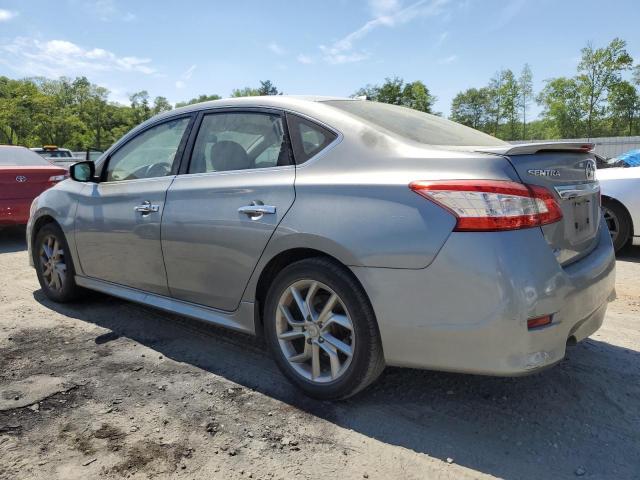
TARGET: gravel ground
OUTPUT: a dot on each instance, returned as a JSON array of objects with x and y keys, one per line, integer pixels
[{"x": 106, "y": 388}]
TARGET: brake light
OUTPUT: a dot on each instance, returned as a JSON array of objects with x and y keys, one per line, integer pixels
[{"x": 491, "y": 205}]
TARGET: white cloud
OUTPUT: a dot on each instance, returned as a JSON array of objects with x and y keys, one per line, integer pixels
[
  {"x": 56, "y": 58},
  {"x": 507, "y": 14},
  {"x": 441, "y": 39},
  {"x": 383, "y": 7},
  {"x": 107, "y": 11},
  {"x": 6, "y": 15},
  {"x": 306, "y": 59},
  {"x": 277, "y": 49},
  {"x": 449, "y": 59},
  {"x": 387, "y": 13},
  {"x": 186, "y": 75}
]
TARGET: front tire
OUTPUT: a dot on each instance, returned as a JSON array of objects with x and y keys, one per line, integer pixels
[
  {"x": 321, "y": 329},
  {"x": 54, "y": 265},
  {"x": 618, "y": 222}
]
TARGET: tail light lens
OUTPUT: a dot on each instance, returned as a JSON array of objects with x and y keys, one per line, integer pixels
[{"x": 492, "y": 205}]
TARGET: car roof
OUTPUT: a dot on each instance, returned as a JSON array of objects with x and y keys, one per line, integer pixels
[{"x": 266, "y": 100}]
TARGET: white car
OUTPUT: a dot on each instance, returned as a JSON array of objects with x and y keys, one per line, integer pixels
[{"x": 620, "y": 187}]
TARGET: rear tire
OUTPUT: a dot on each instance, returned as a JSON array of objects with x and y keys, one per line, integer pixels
[
  {"x": 618, "y": 222},
  {"x": 54, "y": 265},
  {"x": 332, "y": 350}
]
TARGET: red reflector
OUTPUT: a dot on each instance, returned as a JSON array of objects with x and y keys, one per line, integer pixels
[{"x": 538, "y": 322}]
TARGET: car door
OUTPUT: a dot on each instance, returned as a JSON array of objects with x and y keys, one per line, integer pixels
[
  {"x": 220, "y": 214},
  {"x": 118, "y": 218}
]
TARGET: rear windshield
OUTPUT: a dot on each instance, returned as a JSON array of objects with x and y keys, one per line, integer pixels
[
  {"x": 56, "y": 153},
  {"x": 19, "y": 156},
  {"x": 414, "y": 125}
]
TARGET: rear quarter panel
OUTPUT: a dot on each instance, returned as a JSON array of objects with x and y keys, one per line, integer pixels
[{"x": 354, "y": 202}]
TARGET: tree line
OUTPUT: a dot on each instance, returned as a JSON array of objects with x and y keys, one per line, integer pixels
[
  {"x": 77, "y": 114},
  {"x": 597, "y": 101}
]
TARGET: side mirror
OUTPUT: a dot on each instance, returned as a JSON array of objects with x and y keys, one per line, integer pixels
[{"x": 83, "y": 172}]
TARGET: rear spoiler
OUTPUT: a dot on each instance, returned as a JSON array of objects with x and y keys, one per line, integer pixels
[{"x": 530, "y": 148}]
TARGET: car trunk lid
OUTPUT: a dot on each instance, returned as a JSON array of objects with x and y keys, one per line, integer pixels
[
  {"x": 567, "y": 169},
  {"x": 20, "y": 182}
]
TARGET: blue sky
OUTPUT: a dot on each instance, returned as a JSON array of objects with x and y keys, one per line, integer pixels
[{"x": 180, "y": 49}]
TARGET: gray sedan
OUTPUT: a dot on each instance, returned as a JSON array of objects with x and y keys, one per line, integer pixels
[{"x": 351, "y": 234}]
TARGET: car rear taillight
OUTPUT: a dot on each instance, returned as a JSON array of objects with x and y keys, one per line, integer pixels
[{"x": 491, "y": 205}]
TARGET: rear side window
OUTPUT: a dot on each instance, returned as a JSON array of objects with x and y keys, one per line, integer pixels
[
  {"x": 239, "y": 141},
  {"x": 20, "y": 156},
  {"x": 308, "y": 138}
]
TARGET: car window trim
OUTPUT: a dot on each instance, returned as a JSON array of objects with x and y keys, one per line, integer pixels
[
  {"x": 179, "y": 152},
  {"x": 187, "y": 154}
]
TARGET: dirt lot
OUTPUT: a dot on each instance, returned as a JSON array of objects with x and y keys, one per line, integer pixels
[{"x": 106, "y": 388}]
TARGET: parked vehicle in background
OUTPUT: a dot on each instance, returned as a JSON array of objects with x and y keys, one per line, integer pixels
[
  {"x": 23, "y": 176},
  {"x": 63, "y": 157},
  {"x": 89, "y": 154},
  {"x": 351, "y": 234},
  {"x": 620, "y": 188},
  {"x": 52, "y": 151}
]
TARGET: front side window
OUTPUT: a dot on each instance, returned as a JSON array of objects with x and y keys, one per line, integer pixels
[
  {"x": 239, "y": 141},
  {"x": 150, "y": 154}
]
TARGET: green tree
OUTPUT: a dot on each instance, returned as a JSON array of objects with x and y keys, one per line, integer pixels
[
  {"x": 598, "y": 71},
  {"x": 495, "y": 101},
  {"x": 395, "y": 91},
  {"x": 245, "y": 92},
  {"x": 160, "y": 104},
  {"x": 624, "y": 106},
  {"x": 416, "y": 95},
  {"x": 140, "y": 106},
  {"x": 563, "y": 106},
  {"x": 200, "y": 99},
  {"x": 510, "y": 106},
  {"x": 525, "y": 83},
  {"x": 472, "y": 108},
  {"x": 267, "y": 88}
]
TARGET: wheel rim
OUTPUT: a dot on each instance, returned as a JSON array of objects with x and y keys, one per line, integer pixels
[
  {"x": 52, "y": 263},
  {"x": 315, "y": 331},
  {"x": 612, "y": 223}
]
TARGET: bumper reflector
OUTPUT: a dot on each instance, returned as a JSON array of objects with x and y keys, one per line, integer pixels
[{"x": 538, "y": 322}]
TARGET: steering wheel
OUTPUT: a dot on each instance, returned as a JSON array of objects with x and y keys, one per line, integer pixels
[{"x": 159, "y": 170}]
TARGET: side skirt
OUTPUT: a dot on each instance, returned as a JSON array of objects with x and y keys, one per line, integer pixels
[{"x": 241, "y": 320}]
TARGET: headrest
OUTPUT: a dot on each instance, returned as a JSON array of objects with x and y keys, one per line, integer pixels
[{"x": 228, "y": 155}]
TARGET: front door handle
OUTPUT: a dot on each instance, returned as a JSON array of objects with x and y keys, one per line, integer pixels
[
  {"x": 146, "y": 207},
  {"x": 257, "y": 209}
]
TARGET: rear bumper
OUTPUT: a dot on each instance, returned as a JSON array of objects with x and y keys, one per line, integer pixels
[
  {"x": 468, "y": 311},
  {"x": 14, "y": 211}
]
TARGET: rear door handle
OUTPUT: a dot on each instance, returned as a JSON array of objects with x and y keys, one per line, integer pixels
[
  {"x": 257, "y": 209},
  {"x": 146, "y": 207}
]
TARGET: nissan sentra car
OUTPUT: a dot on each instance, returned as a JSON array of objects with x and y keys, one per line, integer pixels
[{"x": 351, "y": 234}]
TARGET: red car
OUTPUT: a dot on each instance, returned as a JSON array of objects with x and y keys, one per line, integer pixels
[{"x": 23, "y": 176}]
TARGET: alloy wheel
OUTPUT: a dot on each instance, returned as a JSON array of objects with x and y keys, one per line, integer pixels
[
  {"x": 612, "y": 222},
  {"x": 315, "y": 331},
  {"x": 52, "y": 263}
]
